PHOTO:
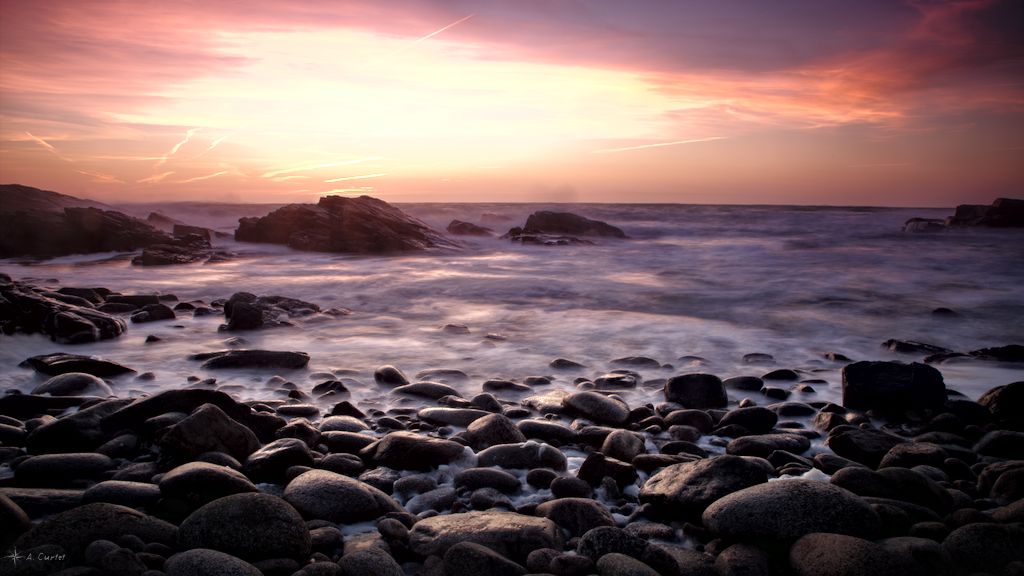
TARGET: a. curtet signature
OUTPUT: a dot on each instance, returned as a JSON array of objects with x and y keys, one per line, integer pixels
[{"x": 14, "y": 557}]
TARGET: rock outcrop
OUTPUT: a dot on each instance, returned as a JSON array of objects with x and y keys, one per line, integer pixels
[
  {"x": 560, "y": 229},
  {"x": 28, "y": 309},
  {"x": 362, "y": 225}
]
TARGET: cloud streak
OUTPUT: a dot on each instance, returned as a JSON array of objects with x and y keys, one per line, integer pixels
[{"x": 658, "y": 145}]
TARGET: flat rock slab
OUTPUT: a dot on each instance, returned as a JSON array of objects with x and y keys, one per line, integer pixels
[{"x": 252, "y": 359}]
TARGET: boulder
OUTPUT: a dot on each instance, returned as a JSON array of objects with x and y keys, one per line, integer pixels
[
  {"x": 597, "y": 407},
  {"x": 443, "y": 416},
  {"x": 765, "y": 444},
  {"x": 235, "y": 359},
  {"x": 460, "y": 228},
  {"x": 623, "y": 445},
  {"x": 756, "y": 419},
  {"x": 685, "y": 490},
  {"x": 820, "y": 554},
  {"x": 507, "y": 533},
  {"x": 1006, "y": 404},
  {"x": 471, "y": 559},
  {"x": 546, "y": 222},
  {"x": 323, "y": 495},
  {"x": 59, "y": 470},
  {"x": 388, "y": 375},
  {"x": 197, "y": 483},
  {"x": 432, "y": 390},
  {"x": 526, "y": 455},
  {"x": 245, "y": 311},
  {"x": 493, "y": 430},
  {"x": 270, "y": 462},
  {"x": 615, "y": 564},
  {"x": 866, "y": 446},
  {"x": 13, "y": 521},
  {"x": 340, "y": 224},
  {"x": 76, "y": 432},
  {"x": 75, "y": 529},
  {"x": 785, "y": 510},
  {"x": 153, "y": 313},
  {"x": 206, "y": 562},
  {"x": 603, "y": 540},
  {"x": 208, "y": 429},
  {"x": 985, "y": 547},
  {"x": 63, "y": 363},
  {"x": 576, "y": 515},
  {"x": 74, "y": 384},
  {"x": 892, "y": 387},
  {"x": 700, "y": 391},
  {"x": 251, "y": 526},
  {"x": 410, "y": 451}
]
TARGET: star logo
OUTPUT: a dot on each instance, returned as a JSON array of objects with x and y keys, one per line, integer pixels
[{"x": 14, "y": 557}]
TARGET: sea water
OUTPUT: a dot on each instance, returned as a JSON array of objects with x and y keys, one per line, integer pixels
[{"x": 715, "y": 282}]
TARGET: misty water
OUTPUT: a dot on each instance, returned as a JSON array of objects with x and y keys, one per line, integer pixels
[{"x": 716, "y": 282}]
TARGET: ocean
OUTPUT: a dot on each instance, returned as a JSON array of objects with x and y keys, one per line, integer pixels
[{"x": 714, "y": 282}]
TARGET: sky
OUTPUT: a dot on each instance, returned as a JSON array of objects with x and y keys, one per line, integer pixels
[{"x": 872, "y": 102}]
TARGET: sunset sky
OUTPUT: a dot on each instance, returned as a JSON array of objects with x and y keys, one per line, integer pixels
[{"x": 721, "y": 101}]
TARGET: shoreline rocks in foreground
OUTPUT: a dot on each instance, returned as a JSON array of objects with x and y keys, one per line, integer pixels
[{"x": 912, "y": 479}]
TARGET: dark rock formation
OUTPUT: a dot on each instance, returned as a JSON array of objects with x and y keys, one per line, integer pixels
[
  {"x": 924, "y": 225},
  {"x": 1002, "y": 213},
  {"x": 460, "y": 228},
  {"x": 544, "y": 222},
  {"x": 892, "y": 386},
  {"x": 179, "y": 250},
  {"x": 252, "y": 359},
  {"x": 245, "y": 311},
  {"x": 38, "y": 233},
  {"x": 361, "y": 225},
  {"x": 61, "y": 363},
  {"x": 28, "y": 309}
]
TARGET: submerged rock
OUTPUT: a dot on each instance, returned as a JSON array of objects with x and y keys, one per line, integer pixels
[
  {"x": 460, "y": 228},
  {"x": 341, "y": 224},
  {"x": 62, "y": 363},
  {"x": 252, "y": 359},
  {"x": 74, "y": 384}
]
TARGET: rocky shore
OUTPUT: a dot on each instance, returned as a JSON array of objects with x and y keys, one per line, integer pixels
[{"x": 748, "y": 475}]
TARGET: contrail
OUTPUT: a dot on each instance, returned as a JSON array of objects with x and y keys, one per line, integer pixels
[
  {"x": 155, "y": 178},
  {"x": 46, "y": 145},
  {"x": 363, "y": 177},
  {"x": 210, "y": 147},
  {"x": 439, "y": 30},
  {"x": 174, "y": 149},
  {"x": 305, "y": 167},
  {"x": 207, "y": 177},
  {"x": 659, "y": 145}
]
